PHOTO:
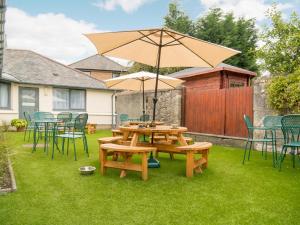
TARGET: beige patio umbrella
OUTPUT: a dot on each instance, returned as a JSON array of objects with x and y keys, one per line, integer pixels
[
  {"x": 142, "y": 81},
  {"x": 160, "y": 47}
]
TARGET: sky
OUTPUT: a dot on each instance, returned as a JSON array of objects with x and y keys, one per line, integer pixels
[{"x": 55, "y": 28}]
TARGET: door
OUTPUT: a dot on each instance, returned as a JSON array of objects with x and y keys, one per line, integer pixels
[{"x": 28, "y": 100}]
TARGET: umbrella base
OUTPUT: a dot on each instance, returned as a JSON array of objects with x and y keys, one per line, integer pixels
[{"x": 153, "y": 163}]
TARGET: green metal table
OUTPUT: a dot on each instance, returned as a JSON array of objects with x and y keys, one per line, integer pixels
[{"x": 46, "y": 123}]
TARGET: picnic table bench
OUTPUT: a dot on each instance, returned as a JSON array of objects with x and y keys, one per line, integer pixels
[{"x": 126, "y": 152}]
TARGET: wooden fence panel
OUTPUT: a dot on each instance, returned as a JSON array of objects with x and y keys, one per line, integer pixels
[
  {"x": 218, "y": 111},
  {"x": 204, "y": 110},
  {"x": 239, "y": 101}
]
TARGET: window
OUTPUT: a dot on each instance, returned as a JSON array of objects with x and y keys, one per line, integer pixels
[
  {"x": 234, "y": 84},
  {"x": 68, "y": 99},
  {"x": 4, "y": 96}
]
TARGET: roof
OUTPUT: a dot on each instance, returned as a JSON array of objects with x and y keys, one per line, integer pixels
[
  {"x": 190, "y": 72},
  {"x": 25, "y": 66},
  {"x": 98, "y": 62}
]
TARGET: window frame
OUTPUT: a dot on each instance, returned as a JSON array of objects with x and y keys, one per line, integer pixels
[
  {"x": 9, "y": 96},
  {"x": 236, "y": 84},
  {"x": 69, "y": 103}
]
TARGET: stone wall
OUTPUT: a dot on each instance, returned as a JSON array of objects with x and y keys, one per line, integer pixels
[
  {"x": 261, "y": 108},
  {"x": 168, "y": 105},
  {"x": 260, "y": 104}
]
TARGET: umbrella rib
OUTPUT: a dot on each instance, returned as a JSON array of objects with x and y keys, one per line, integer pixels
[
  {"x": 167, "y": 83},
  {"x": 170, "y": 42},
  {"x": 109, "y": 86},
  {"x": 148, "y": 42},
  {"x": 192, "y": 51},
  {"x": 127, "y": 43},
  {"x": 146, "y": 36},
  {"x": 115, "y": 84}
]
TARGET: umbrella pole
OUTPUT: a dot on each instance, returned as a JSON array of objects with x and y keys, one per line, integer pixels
[
  {"x": 144, "y": 106},
  {"x": 144, "y": 101},
  {"x": 157, "y": 74},
  {"x": 152, "y": 162}
]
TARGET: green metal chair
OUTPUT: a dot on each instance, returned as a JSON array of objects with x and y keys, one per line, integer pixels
[
  {"x": 251, "y": 139},
  {"x": 65, "y": 118},
  {"x": 124, "y": 118},
  {"x": 76, "y": 132},
  {"x": 145, "y": 118},
  {"x": 273, "y": 122},
  {"x": 29, "y": 125},
  {"x": 42, "y": 115},
  {"x": 291, "y": 134}
]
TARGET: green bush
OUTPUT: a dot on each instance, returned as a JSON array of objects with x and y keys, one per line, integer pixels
[
  {"x": 284, "y": 93},
  {"x": 18, "y": 123}
]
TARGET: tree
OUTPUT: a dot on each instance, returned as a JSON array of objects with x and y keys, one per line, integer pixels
[
  {"x": 177, "y": 20},
  {"x": 284, "y": 93},
  {"x": 238, "y": 33},
  {"x": 280, "y": 52}
]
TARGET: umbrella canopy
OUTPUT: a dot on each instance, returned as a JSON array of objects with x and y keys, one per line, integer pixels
[
  {"x": 142, "y": 81},
  {"x": 177, "y": 50}
]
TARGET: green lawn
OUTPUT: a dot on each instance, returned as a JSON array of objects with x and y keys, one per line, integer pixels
[{"x": 53, "y": 192}]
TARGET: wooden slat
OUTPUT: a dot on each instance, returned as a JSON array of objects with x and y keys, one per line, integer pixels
[
  {"x": 122, "y": 165},
  {"x": 125, "y": 148},
  {"x": 109, "y": 139}
]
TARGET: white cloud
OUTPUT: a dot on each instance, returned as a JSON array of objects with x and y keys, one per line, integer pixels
[
  {"x": 53, "y": 35},
  {"x": 247, "y": 8},
  {"x": 127, "y": 5}
]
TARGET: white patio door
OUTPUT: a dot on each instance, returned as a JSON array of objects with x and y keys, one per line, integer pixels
[{"x": 28, "y": 100}]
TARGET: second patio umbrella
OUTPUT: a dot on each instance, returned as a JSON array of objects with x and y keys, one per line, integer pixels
[{"x": 142, "y": 81}]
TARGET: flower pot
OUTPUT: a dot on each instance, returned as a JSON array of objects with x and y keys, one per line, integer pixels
[{"x": 20, "y": 129}]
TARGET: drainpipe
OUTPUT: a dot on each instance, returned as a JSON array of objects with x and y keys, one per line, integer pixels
[
  {"x": 112, "y": 109},
  {"x": 2, "y": 34}
]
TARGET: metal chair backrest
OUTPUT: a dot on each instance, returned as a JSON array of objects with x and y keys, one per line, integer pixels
[
  {"x": 42, "y": 115},
  {"x": 249, "y": 125},
  {"x": 272, "y": 121},
  {"x": 291, "y": 128},
  {"x": 145, "y": 117},
  {"x": 124, "y": 117},
  {"x": 80, "y": 122},
  {"x": 27, "y": 117},
  {"x": 64, "y": 117},
  {"x": 74, "y": 115}
]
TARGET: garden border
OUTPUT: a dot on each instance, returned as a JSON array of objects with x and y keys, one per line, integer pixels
[{"x": 13, "y": 187}]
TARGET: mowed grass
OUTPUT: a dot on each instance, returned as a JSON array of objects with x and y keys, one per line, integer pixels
[{"x": 53, "y": 192}]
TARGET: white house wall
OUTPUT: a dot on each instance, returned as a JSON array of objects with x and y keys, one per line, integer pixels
[{"x": 98, "y": 104}]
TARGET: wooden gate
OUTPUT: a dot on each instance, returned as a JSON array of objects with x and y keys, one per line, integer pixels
[{"x": 218, "y": 111}]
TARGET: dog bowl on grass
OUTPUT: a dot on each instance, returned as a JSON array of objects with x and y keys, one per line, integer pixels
[{"x": 87, "y": 170}]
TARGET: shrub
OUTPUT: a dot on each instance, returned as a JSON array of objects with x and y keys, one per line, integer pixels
[
  {"x": 18, "y": 123},
  {"x": 284, "y": 93}
]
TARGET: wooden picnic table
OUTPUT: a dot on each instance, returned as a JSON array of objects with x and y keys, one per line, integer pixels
[
  {"x": 131, "y": 136},
  {"x": 192, "y": 164}
]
